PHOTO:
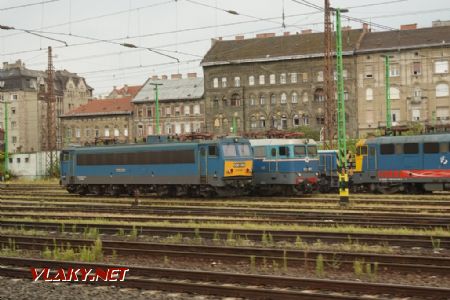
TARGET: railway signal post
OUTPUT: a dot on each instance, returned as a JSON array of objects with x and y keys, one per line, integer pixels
[
  {"x": 156, "y": 106},
  {"x": 342, "y": 139}
]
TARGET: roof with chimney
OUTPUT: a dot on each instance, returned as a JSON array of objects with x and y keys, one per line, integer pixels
[
  {"x": 268, "y": 47},
  {"x": 171, "y": 89},
  {"x": 119, "y": 106},
  {"x": 407, "y": 38}
]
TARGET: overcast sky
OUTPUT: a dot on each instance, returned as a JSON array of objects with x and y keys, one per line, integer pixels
[{"x": 181, "y": 29}]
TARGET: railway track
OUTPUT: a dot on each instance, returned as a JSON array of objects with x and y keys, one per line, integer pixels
[
  {"x": 297, "y": 219},
  {"x": 231, "y": 284},
  {"x": 311, "y": 236},
  {"x": 292, "y": 257}
]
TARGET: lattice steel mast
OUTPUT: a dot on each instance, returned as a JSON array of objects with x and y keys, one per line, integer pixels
[{"x": 330, "y": 101}]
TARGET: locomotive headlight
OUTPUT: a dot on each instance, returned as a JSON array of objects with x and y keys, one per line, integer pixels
[
  {"x": 317, "y": 173},
  {"x": 299, "y": 174},
  {"x": 305, "y": 169},
  {"x": 309, "y": 169}
]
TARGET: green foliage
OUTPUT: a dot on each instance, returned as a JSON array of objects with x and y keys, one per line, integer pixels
[
  {"x": 309, "y": 132},
  {"x": 134, "y": 232},
  {"x": 319, "y": 266},
  {"x": 358, "y": 268},
  {"x": 252, "y": 263}
]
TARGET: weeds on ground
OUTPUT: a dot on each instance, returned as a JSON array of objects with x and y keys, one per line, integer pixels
[{"x": 320, "y": 271}]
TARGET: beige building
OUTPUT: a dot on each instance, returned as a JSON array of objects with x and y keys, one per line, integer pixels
[
  {"x": 274, "y": 82},
  {"x": 24, "y": 91},
  {"x": 99, "y": 121},
  {"x": 181, "y": 106},
  {"x": 419, "y": 77}
]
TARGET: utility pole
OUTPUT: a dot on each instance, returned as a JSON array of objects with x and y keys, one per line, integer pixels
[
  {"x": 330, "y": 101},
  {"x": 342, "y": 139},
  {"x": 6, "y": 141},
  {"x": 50, "y": 131},
  {"x": 156, "y": 105},
  {"x": 388, "y": 95}
]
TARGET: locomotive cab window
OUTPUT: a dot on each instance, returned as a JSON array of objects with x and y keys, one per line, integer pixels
[
  {"x": 64, "y": 156},
  {"x": 398, "y": 148},
  {"x": 229, "y": 150},
  {"x": 387, "y": 149},
  {"x": 312, "y": 150},
  {"x": 361, "y": 150},
  {"x": 212, "y": 150},
  {"x": 443, "y": 147},
  {"x": 411, "y": 148},
  {"x": 299, "y": 151},
  {"x": 244, "y": 150},
  {"x": 283, "y": 150},
  {"x": 430, "y": 148}
]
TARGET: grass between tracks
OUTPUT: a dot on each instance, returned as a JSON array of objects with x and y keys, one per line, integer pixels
[{"x": 333, "y": 228}]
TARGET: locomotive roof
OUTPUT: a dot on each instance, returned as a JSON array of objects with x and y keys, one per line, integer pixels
[
  {"x": 410, "y": 139},
  {"x": 277, "y": 142}
]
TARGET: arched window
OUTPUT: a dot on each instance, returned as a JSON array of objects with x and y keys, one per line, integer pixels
[
  {"x": 253, "y": 122},
  {"x": 318, "y": 95},
  {"x": 251, "y": 80},
  {"x": 442, "y": 90},
  {"x": 262, "y": 122},
  {"x": 235, "y": 100},
  {"x": 273, "y": 99},
  {"x": 305, "y": 97},
  {"x": 369, "y": 94},
  {"x": 106, "y": 131},
  {"x": 294, "y": 97},
  {"x": 252, "y": 100},
  {"x": 116, "y": 132},
  {"x": 196, "y": 109},
  {"x": 262, "y": 100},
  {"x": 272, "y": 79},
  {"x": 284, "y": 122},
  {"x": 394, "y": 93},
  {"x": 296, "y": 121},
  {"x": 283, "y": 98},
  {"x": 217, "y": 122},
  {"x": 305, "y": 119},
  {"x": 224, "y": 101},
  {"x": 215, "y": 82}
]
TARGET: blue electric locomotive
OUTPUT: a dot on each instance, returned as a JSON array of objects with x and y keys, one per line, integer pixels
[
  {"x": 284, "y": 166},
  {"x": 198, "y": 168},
  {"x": 328, "y": 173},
  {"x": 411, "y": 164}
]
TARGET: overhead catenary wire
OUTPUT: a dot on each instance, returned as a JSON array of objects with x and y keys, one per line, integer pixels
[{"x": 27, "y": 5}]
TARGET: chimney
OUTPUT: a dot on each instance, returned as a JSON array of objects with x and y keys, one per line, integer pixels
[
  {"x": 175, "y": 76},
  {"x": 346, "y": 28},
  {"x": 306, "y": 31},
  {"x": 155, "y": 77},
  {"x": 286, "y": 33},
  {"x": 264, "y": 35},
  {"x": 408, "y": 26},
  {"x": 5, "y": 65},
  {"x": 365, "y": 27},
  {"x": 239, "y": 37},
  {"x": 164, "y": 77},
  {"x": 191, "y": 75},
  {"x": 125, "y": 88}
]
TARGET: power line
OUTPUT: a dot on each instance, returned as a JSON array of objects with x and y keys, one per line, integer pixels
[{"x": 27, "y": 5}]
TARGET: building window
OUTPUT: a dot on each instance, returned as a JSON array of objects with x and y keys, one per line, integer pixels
[
  {"x": 216, "y": 122},
  {"x": 13, "y": 110},
  {"x": 196, "y": 109},
  {"x": 139, "y": 112},
  {"x": 368, "y": 71},
  {"x": 283, "y": 98},
  {"x": 395, "y": 113},
  {"x": 417, "y": 93},
  {"x": 296, "y": 121},
  {"x": 273, "y": 99},
  {"x": 251, "y": 80},
  {"x": 106, "y": 131},
  {"x": 262, "y": 100},
  {"x": 441, "y": 66},
  {"x": 18, "y": 160},
  {"x": 284, "y": 122},
  {"x": 305, "y": 120},
  {"x": 235, "y": 100},
  {"x": 14, "y": 97},
  {"x": 216, "y": 102},
  {"x": 272, "y": 79},
  {"x": 187, "y": 110},
  {"x": 282, "y": 78},
  {"x": 77, "y": 132},
  {"x": 305, "y": 77},
  {"x": 320, "y": 76},
  {"x": 125, "y": 130},
  {"x": 224, "y": 82},
  {"x": 252, "y": 100},
  {"x": 415, "y": 114},
  {"x": 215, "y": 82},
  {"x": 224, "y": 102},
  {"x": 168, "y": 111},
  {"x": 149, "y": 112},
  {"x": 442, "y": 90},
  {"x": 177, "y": 111},
  {"x": 305, "y": 97},
  {"x": 369, "y": 94},
  {"x": 14, "y": 139},
  {"x": 394, "y": 70},
  {"x": 253, "y": 122},
  {"x": 237, "y": 81},
  {"x": 318, "y": 95},
  {"x": 262, "y": 122},
  {"x": 293, "y": 77},
  {"x": 87, "y": 132},
  {"x": 116, "y": 132},
  {"x": 416, "y": 68},
  {"x": 177, "y": 128},
  {"x": 149, "y": 130},
  {"x": 320, "y": 119},
  {"x": 294, "y": 97},
  {"x": 13, "y": 124},
  {"x": 27, "y": 159},
  {"x": 442, "y": 113},
  {"x": 187, "y": 127},
  {"x": 97, "y": 132},
  {"x": 394, "y": 93},
  {"x": 168, "y": 128},
  {"x": 262, "y": 79}
]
